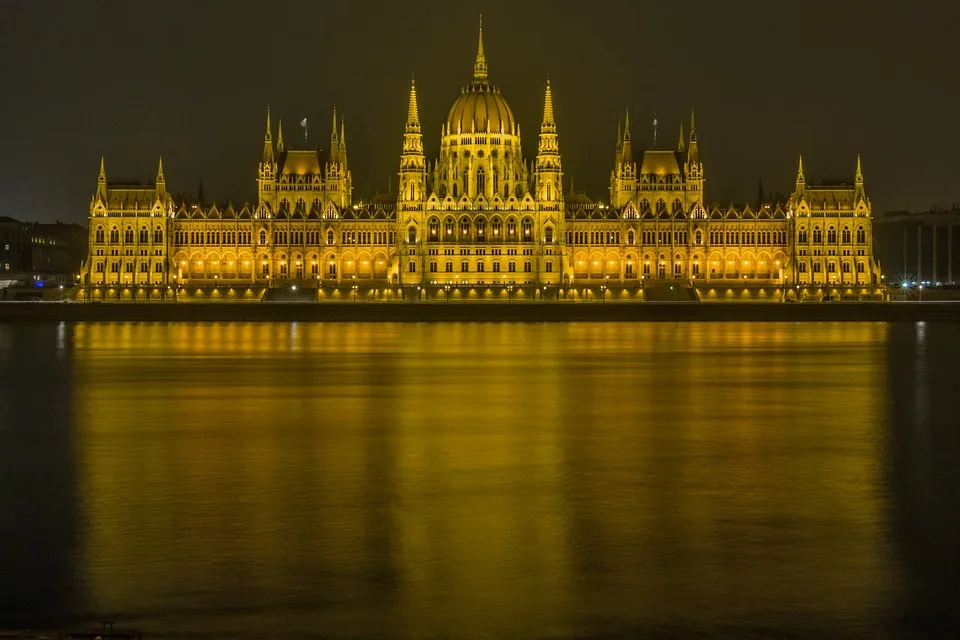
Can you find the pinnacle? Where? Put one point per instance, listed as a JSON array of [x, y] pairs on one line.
[[548, 119], [480, 66], [413, 112]]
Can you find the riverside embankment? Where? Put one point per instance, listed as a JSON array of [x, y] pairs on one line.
[[485, 312]]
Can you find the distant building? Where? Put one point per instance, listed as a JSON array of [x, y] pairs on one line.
[[917, 247], [39, 252], [480, 219]]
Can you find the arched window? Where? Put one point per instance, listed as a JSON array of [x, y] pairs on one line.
[[411, 234], [548, 235], [263, 237], [802, 267], [128, 234], [114, 267], [434, 228], [698, 237], [144, 235], [511, 227], [413, 191], [433, 266], [448, 227], [99, 234], [861, 267], [144, 267], [497, 227], [99, 267], [527, 228], [158, 234], [802, 236], [861, 235], [831, 235], [464, 266], [158, 267], [846, 267], [128, 266], [481, 182], [817, 267], [817, 235], [527, 266], [448, 267], [512, 266], [464, 226], [630, 237], [846, 235], [831, 267], [549, 196], [114, 235], [466, 182], [550, 266], [480, 266], [481, 225], [496, 266]]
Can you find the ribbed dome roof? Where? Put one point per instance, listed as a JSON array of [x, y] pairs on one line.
[[480, 107]]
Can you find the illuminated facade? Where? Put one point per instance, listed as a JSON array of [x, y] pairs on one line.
[[480, 220]]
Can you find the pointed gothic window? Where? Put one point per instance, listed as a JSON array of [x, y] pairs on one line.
[[114, 235], [549, 195], [99, 234], [846, 235], [481, 182], [861, 235]]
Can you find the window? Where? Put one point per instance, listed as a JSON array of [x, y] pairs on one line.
[[846, 235], [861, 235], [283, 268], [527, 228], [464, 266], [481, 182], [697, 237], [99, 267], [412, 267], [512, 266], [817, 235], [158, 267], [497, 226], [831, 235], [802, 236], [527, 267], [548, 235], [846, 267], [128, 267], [448, 267], [496, 266], [464, 227], [144, 235], [817, 267], [114, 235], [331, 267], [263, 237], [481, 227], [144, 267], [481, 267], [630, 237], [99, 235], [128, 234], [677, 268], [550, 266], [861, 267], [511, 227], [802, 267], [114, 267], [433, 266]]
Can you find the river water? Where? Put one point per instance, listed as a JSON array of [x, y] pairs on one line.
[[482, 480]]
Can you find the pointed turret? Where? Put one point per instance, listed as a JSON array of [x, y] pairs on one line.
[[627, 144], [800, 176], [334, 141], [279, 135], [343, 143], [480, 66], [268, 141], [693, 146], [549, 179], [681, 144], [549, 124], [618, 154], [161, 182], [858, 181], [413, 111], [102, 181]]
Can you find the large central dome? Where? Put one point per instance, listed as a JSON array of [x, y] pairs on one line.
[[480, 107]]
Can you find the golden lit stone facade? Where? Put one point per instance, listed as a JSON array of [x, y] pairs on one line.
[[481, 223]]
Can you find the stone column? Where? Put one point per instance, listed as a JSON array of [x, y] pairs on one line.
[[949, 254], [933, 278], [919, 253]]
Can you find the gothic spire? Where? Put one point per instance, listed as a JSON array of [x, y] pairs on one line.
[[548, 121], [333, 134], [279, 134], [626, 127], [627, 145], [413, 112], [682, 144], [859, 177], [800, 178], [102, 176], [480, 66], [268, 141], [160, 177], [693, 126], [268, 135], [343, 132]]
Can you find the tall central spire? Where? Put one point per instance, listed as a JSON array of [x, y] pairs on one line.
[[480, 66], [413, 113]]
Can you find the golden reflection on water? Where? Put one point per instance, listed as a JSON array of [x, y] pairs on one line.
[[505, 479]]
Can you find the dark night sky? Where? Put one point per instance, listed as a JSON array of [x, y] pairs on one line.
[[191, 79]]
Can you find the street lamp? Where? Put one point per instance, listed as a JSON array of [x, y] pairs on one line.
[[355, 287], [509, 294], [921, 292], [603, 293]]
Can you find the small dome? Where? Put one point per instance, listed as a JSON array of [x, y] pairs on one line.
[[480, 108]]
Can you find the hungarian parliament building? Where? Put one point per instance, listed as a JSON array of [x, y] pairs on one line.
[[479, 221]]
